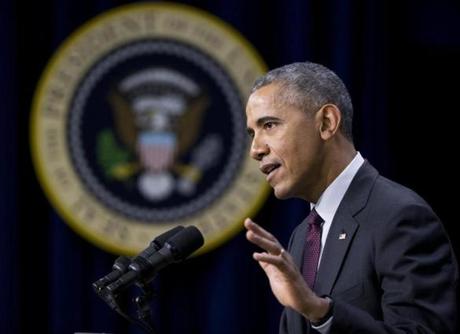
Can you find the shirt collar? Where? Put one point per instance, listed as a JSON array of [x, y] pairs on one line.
[[330, 199]]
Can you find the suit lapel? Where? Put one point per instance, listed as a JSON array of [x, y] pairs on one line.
[[338, 241], [343, 228]]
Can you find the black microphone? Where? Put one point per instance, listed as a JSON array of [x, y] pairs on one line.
[[121, 263], [157, 243], [120, 266], [176, 249]]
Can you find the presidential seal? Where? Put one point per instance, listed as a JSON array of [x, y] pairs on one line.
[[138, 126]]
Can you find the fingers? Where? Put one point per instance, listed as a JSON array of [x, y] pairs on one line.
[[260, 237], [271, 247], [271, 258], [251, 226]]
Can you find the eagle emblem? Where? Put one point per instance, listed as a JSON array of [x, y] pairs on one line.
[[158, 114]]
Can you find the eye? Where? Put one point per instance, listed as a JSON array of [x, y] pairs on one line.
[[269, 125]]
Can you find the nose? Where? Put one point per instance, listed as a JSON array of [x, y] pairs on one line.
[[259, 149]]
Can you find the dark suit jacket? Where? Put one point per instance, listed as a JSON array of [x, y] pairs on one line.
[[395, 271]]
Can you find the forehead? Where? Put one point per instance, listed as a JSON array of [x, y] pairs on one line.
[[266, 102], [265, 94], [264, 97]]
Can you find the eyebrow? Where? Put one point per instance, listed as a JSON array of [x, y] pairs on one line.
[[265, 119], [261, 121]]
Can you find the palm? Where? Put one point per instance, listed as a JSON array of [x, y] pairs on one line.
[[286, 281]]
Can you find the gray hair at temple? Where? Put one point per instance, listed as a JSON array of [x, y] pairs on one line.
[[310, 86]]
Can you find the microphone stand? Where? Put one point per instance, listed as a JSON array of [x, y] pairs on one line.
[[175, 248], [142, 303]]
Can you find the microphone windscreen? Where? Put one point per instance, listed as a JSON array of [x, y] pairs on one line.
[[186, 242], [160, 240]]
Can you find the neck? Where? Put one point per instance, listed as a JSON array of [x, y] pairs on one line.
[[339, 155]]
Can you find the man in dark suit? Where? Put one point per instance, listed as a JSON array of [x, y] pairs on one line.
[[372, 256]]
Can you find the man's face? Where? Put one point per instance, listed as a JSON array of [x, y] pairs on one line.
[[285, 141]]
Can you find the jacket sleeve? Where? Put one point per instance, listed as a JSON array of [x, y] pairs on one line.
[[284, 326], [283, 323]]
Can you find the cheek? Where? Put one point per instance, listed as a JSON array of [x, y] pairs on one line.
[[279, 148], [292, 148], [286, 153], [300, 156]]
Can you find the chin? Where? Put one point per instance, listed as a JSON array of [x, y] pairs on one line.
[[281, 193], [284, 190]]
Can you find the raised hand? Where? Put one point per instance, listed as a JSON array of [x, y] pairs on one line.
[[286, 281]]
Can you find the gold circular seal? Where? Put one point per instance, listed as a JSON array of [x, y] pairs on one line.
[[138, 126]]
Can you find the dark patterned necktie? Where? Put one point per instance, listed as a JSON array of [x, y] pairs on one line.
[[312, 248]]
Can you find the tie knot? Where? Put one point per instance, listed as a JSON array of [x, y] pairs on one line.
[[314, 218]]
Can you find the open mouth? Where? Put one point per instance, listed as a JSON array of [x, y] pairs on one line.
[[268, 169]]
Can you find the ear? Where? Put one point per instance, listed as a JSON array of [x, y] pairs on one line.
[[330, 118]]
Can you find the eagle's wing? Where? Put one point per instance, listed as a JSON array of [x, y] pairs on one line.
[[124, 117], [190, 123]]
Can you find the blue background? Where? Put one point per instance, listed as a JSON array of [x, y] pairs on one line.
[[400, 60]]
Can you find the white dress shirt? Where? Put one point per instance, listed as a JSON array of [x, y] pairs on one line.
[[327, 206]]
